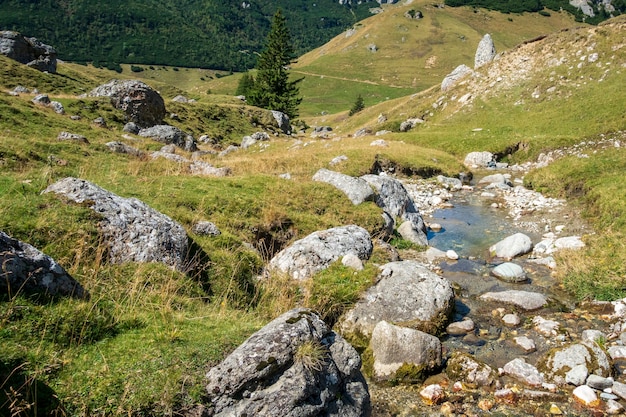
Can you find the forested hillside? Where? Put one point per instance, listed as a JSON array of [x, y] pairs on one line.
[[190, 33]]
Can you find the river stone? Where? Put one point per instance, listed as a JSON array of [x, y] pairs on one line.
[[407, 294], [133, 231], [510, 272], [527, 344], [356, 189], [478, 159], [23, 268], [511, 319], [512, 246], [141, 104], [547, 328], [586, 395], [485, 52], [523, 299], [455, 76], [170, 135], [569, 243], [524, 372], [619, 389], [393, 198], [453, 184], [559, 362], [294, 366], [318, 250], [464, 367], [408, 232], [494, 179], [599, 383], [394, 346], [462, 327]]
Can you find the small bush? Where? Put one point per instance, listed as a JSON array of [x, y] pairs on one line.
[[135, 68]]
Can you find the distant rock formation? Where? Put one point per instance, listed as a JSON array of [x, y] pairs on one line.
[[28, 51], [23, 268], [142, 104], [485, 52]]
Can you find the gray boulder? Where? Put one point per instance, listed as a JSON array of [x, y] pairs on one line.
[[407, 294], [485, 52], [57, 107], [28, 51], [453, 184], [524, 372], [478, 159], [74, 137], [170, 135], [207, 170], [523, 299], [120, 147], [394, 347], [294, 366], [141, 104], [318, 250], [408, 232], [131, 127], [283, 121], [356, 189], [575, 362], [133, 231], [464, 367], [455, 76], [205, 228], [512, 246], [23, 268], [41, 99]]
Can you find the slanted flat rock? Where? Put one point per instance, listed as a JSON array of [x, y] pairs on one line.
[[394, 346], [356, 189], [523, 299], [455, 76], [294, 366], [23, 268], [512, 246], [318, 250], [133, 231], [407, 294]]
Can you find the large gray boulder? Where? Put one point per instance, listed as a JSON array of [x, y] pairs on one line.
[[282, 120], [25, 269], [479, 159], [170, 135], [394, 347], [141, 104], [318, 250], [356, 189], [485, 53], [28, 51], [455, 76], [294, 366], [133, 231], [394, 199], [407, 294]]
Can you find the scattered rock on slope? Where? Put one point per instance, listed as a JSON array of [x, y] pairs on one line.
[[142, 104], [318, 250], [23, 268], [28, 51], [134, 232], [485, 53], [455, 76], [356, 189], [294, 366], [170, 135]]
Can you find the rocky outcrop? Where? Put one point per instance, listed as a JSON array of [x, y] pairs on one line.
[[407, 294], [318, 250], [356, 189], [141, 104], [28, 51], [24, 269], [394, 347], [294, 366], [485, 53], [455, 76], [133, 231], [283, 121], [170, 135]]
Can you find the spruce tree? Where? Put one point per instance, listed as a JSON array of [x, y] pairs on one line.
[[272, 88], [358, 105], [246, 85]]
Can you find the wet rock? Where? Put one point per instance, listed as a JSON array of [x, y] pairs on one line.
[[205, 228], [317, 251], [394, 347], [510, 272], [464, 367], [511, 319], [585, 395], [433, 394], [24, 269], [295, 365], [527, 344], [559, 362], [356, 189], [461, 327], [547, 328], [133, 231], [524, 372], [170, 135], [453, 184], [407, 294], [141, 104], [408, 232], [523, 299], [512, 246]]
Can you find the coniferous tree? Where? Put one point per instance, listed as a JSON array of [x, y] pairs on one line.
[[272, 88], [246, 85], [358, 105]]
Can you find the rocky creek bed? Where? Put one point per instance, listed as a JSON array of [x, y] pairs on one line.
[[515, 359]]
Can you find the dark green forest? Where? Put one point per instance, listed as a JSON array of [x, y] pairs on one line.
[[214, 34], [540, 6]]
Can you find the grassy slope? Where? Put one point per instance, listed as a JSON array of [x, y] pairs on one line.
[[101, 356]]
